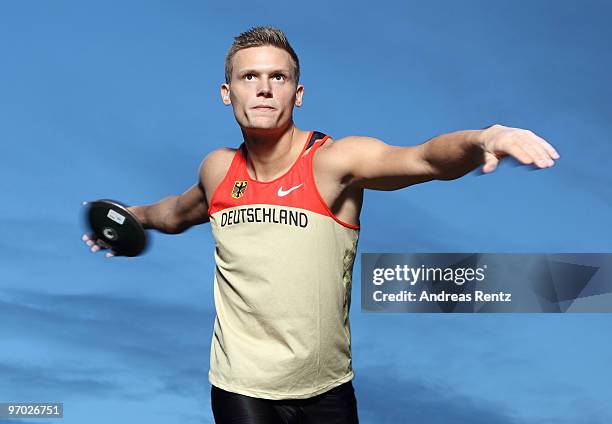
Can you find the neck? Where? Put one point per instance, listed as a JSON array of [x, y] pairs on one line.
[[271, 152]]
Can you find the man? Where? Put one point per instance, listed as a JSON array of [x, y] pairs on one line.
[[284, 209]]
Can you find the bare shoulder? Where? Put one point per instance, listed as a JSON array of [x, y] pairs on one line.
[[344, 148], [336, 157], [217, 161], [213, 168]]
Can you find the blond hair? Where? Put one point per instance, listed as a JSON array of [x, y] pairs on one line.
[[257, 37]]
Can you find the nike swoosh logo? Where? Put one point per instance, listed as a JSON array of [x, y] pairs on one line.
[[282, 192]]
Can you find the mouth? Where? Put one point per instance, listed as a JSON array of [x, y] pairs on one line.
[[263, 107]]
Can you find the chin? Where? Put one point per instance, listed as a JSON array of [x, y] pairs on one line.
[[263, 124]]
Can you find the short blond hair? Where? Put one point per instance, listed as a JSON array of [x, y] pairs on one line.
[[257, 37]]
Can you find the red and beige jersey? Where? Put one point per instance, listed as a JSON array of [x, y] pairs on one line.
[[282, 284]]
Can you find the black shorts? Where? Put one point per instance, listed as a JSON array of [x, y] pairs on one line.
[[336, 406]]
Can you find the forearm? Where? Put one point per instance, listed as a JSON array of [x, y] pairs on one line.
[[158, 216], [454, 154]]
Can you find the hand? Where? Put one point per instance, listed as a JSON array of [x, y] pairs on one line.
[[96, 244], [498, 141]]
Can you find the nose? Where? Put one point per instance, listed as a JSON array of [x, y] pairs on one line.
[[264, 89]]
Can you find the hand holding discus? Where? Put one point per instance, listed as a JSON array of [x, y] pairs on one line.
[[115, 227]]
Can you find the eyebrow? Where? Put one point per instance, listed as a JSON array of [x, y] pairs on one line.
[[253, 71]]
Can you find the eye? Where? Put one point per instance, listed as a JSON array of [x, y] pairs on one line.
[[279, 77], [249, 77]]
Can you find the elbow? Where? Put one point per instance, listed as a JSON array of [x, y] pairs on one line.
[[172, 223], [173, 226]]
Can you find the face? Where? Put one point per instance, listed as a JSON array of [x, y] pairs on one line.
[[262, 90]]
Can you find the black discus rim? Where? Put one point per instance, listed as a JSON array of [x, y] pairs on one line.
[[140, 244]]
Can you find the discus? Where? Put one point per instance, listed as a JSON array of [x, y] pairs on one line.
[[116, 227]]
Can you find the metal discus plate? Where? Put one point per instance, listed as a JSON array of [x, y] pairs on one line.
[[116, 226]]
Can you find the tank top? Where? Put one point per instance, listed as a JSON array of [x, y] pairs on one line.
[[282, 283]]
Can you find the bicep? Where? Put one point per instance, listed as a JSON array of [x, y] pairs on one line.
[[192, 207], [376, 165]]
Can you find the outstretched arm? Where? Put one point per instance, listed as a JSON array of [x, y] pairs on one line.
[[369, 163], [171, 215], [175, 214]]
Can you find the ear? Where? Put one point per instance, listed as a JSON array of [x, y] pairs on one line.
[[299, 93], [225, 94]]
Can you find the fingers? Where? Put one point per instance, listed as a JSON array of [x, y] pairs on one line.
[[538, 154], [491, 162], [540, 150], [96, 245], [89, 239], [518, 152], [524, 146], [548, 148]]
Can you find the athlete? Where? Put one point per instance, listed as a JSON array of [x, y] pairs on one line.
[[284, 212]]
